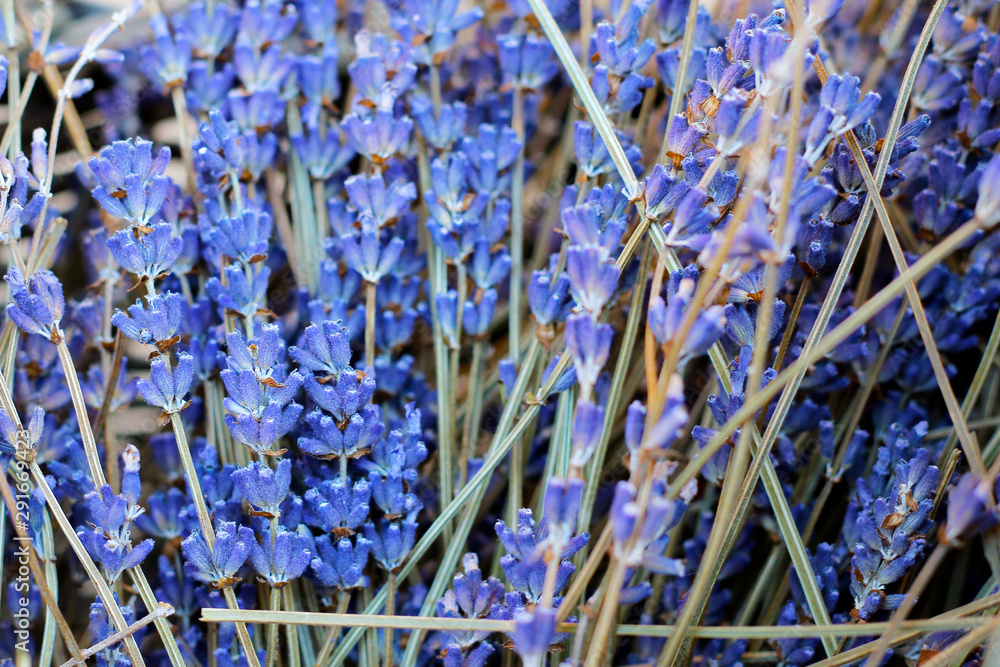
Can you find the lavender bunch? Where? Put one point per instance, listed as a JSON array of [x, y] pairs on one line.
[[523, 331]]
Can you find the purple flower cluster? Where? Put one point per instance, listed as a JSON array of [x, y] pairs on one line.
[[595, 299]]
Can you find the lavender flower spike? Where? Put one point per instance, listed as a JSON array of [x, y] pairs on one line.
[[988, 204], [155, 323], [283, 558], [841, 110], [131, 181], [219, 565], [264, 488], [167, 386], [533, 633], [971, 509], [148, 254], [37, 304]]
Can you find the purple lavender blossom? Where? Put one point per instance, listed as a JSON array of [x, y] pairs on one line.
[[220, 564], [131, 181], [37, 303], [167, 385]]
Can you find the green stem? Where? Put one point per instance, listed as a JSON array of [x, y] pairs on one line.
[[560, 444], [596, 654], [471, 493], [272, 628], [82, 418], [390, 610], [103, 590], [161, 610], [343, 600], [276, 196], [187, 155], [208, 532], [793, 318], [370, 655], [370, 317], [854, 244], [162, 625], [581, 84], [439, 285], [241, 629], [961, 618], [516, 230], [456, 353], [310, 250], [473, 410], [48, 594], [970, 446], [435, 89], [292, 634], [677, 647], [322, 214], [797, 369], [978, 381], [52, 579], [11, 136], [190, 472], [17, 102]]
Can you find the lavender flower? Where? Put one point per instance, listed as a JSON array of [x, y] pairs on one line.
[[101, 628], [155, 323], [470, 597], [590, 345], [378, 137], [842, 110], [971, 509], [209, 32], [37, 303], [634, 533], [218, 566], [377, 201], [108, 541], [527, 61], [344, 397], [391, 541], [148, 255], [891, 534], [284, 558], [299, 229], [533, 632], [265, 489], [11, 437], [322, 151], [666, 318], [167, 63], [371, 256], [325, 349], [341, 565], [240, 295], [663, 192], [370, 72], [988, 204], [432, 23], [243, 238], [131, 181], [168, 385], [524, 565]]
